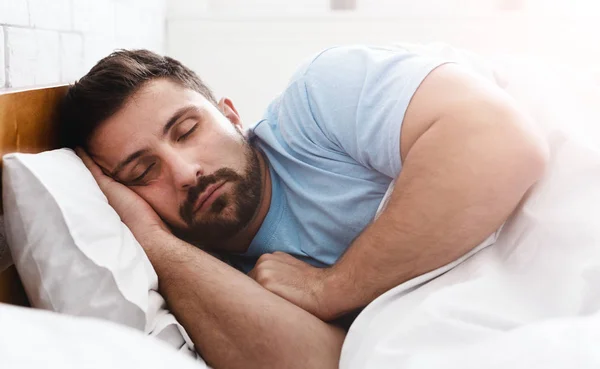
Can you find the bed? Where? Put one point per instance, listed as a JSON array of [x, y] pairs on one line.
[[530, 301], [27, 124]]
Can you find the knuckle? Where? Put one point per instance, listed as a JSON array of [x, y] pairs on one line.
[[264, 277], [263, 258]]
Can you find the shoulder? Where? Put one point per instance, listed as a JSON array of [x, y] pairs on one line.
[[349, 61]]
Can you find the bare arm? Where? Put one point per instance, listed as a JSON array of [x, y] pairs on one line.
[[232, 320], [469, 155]]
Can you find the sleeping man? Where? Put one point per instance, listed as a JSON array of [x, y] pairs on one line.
[[289, 204]]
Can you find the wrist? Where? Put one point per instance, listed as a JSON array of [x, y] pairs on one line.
[[338, 295], [150, 237], [147, 231]]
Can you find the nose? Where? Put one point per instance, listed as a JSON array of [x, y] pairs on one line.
[[184, 170]]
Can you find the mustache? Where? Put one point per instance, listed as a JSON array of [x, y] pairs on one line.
[[223, 174]]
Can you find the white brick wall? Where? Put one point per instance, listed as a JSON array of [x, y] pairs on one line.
[[71, 52], [32, 57], [14, 12], [56, 41], [94, 16], [54, 14]]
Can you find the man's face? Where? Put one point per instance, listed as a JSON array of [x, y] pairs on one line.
[[187, 158]]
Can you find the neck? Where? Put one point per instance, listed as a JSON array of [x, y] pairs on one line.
[[241, 241]]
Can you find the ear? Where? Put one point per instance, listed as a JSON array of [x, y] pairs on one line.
[[228, 109]]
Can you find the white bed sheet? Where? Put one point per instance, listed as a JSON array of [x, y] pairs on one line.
[[33, 339], [531, 299]]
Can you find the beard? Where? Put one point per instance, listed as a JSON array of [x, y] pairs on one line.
[[231, 211]]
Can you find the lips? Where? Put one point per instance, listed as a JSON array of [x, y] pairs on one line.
[[206, 194]]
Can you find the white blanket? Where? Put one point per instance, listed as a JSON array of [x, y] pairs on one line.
[[531, 299], [36, 339]]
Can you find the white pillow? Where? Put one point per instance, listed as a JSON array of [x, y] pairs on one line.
[[34, 338], [73, 253]]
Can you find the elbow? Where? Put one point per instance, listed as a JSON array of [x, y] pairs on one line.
[[533, 154], [536, 157], [523, 151], [522, 141]]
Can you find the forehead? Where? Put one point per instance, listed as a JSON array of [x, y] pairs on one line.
[[141, 119]]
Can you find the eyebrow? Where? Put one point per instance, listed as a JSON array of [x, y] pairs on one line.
[[170, 123], [128, 160], [178, 114]]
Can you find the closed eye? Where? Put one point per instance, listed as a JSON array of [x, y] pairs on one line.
[[141, 176], [187, 134]]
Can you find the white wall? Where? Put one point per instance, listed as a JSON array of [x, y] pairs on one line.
[[249, 56], [52, 41]]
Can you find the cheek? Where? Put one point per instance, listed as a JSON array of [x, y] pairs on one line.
[[163, 201], [232, 151]]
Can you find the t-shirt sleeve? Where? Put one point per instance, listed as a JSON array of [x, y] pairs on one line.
[[358, 97]]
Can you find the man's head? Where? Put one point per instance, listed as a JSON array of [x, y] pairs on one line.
[[150, 123]]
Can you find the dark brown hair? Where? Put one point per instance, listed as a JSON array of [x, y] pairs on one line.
[[108, 85]]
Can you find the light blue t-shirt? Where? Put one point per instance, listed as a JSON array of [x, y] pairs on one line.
[[332, 139]]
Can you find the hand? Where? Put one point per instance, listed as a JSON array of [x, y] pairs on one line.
[[136, 213], [296, 281]]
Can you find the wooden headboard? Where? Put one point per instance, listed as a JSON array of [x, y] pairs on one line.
[[28, 123]]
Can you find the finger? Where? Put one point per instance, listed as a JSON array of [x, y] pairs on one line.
[[82, 154], [264, 272], [286, 258], [252, 273], [263, 258], [261, 276], [91, 165]]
